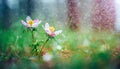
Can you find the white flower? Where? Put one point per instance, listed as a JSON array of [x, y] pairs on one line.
[[51, 30], [47, 57], [31, 23]]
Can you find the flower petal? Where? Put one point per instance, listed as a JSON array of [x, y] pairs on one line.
[[58, 32], [48, 32], [28, 18], [24, 23], [52, 34], [46, 26], [36, 23]]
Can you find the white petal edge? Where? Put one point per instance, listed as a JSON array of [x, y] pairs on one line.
[[28, 18], [46, 30], [58, 32], [36, 23], [46, 26], [24, 23]]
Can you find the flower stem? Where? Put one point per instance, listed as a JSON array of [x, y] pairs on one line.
[[44, 45], [33, 40], [33, 36]]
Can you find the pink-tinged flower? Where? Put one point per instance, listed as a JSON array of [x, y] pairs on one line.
[[31, 23], [50, 30]]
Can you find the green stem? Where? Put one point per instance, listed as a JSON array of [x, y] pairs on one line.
[[33, 36], [44, 45], [33, 40]]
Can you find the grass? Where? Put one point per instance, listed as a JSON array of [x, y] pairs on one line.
[[80, 50]]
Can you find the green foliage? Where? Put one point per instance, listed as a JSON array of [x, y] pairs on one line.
[[92, 50]]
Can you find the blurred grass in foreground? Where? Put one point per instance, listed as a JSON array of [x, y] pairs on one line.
[[80, 50]]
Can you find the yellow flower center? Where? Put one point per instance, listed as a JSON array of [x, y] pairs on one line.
[[52, 29], [30, 22]]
